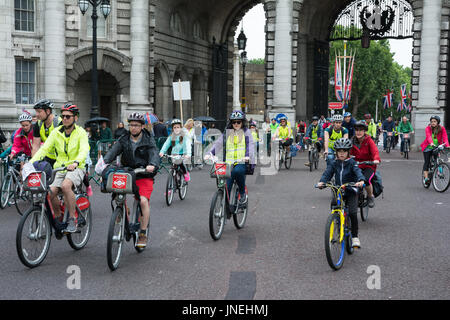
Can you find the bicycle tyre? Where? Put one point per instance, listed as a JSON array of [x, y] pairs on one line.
[[182, 191], [136, 218], [364, 209], [117, 220], [5, 191], [79, 240], [35, 213], [169, 188], [316, 159], [217, 215], [442, 171], [348, 236], [288, 162], [311, 160], [240, 216], [22, 199], [388, 145], [332, 243]]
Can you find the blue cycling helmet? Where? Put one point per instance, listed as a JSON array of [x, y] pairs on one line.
[[347, 114]]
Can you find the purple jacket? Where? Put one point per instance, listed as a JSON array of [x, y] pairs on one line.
[[249, 144]]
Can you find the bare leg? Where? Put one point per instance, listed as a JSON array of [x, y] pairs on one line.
[[55, 201], [69, 197], [145, 207]]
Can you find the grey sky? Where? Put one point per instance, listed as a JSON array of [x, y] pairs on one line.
[[254, 22]]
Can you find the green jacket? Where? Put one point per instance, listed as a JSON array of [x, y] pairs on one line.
[[405, 128], [68, 149], [372, 129]]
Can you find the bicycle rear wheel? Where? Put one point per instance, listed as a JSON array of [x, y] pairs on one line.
[[388, 145], [363, 207], [316, 159], [136, 218], [79, 239], [217, 215], [115, 238], [334, 248], [6, 190], [441, 177], [288, 161], [23, 200], [33, 237], [170, 188], [311, 160]]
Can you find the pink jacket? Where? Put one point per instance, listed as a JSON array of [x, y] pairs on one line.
[[442, 138], [22, 142]]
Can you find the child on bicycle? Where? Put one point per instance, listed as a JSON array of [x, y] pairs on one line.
[[180, 144], [345, 170]]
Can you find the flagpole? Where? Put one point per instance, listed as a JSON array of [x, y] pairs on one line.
[[376, 111], [344, 83]]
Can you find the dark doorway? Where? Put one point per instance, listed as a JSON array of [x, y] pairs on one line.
[[105, 107], [321, 65], [218, 107]]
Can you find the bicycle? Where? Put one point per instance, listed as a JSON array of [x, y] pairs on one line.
[[175, 179], [389, 140], [406, 145], [338, 237], [225, 203], [282, 156], [313, 154], [363, 197], [12, 191], [122, 226], [34, 231], [440, 177]]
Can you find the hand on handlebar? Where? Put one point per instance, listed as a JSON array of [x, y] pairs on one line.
[[376, 161], [150, 169], [359, 184]]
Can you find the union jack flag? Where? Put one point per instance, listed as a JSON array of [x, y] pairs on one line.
[[388, 99], [403, 102], [348, 86], [338, 81]]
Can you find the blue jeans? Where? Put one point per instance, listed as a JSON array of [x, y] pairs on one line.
[[330, 156], [238, 174]]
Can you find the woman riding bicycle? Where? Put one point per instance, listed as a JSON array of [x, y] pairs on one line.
[[435, 135], [346, 170], [364, 149], [237, 146], [180, 144]]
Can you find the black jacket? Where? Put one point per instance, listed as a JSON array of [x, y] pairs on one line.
[[146, 153], [343, 171], [119, 132], [160, 130]]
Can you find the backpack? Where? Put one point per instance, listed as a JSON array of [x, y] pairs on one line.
[[377, 184]]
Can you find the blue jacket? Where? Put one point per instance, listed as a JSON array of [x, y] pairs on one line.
[[319, 131], [350, 127], [388, 126], [343, 171]]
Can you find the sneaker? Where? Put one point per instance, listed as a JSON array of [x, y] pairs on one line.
[[243, 200], [71, 226], [187, 177], [356, 243], [307, 164], [142, 240], [401, 153], [371, 202]]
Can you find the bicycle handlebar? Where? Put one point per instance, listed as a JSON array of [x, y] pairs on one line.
[[330, 185]]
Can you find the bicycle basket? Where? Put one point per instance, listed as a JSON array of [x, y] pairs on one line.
[[119, 182], [36, 182], [221, 170]]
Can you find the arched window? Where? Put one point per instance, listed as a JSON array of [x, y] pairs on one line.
[[175, 22]]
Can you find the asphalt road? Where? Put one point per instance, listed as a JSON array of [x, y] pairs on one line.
[[279, 254]]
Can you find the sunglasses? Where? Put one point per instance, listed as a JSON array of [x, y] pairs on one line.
[[67, 116], [236, 122]]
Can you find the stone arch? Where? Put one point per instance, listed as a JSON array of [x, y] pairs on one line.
[[162, 90]]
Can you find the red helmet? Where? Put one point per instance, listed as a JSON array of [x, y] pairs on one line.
[[71, 107], [367, 116]]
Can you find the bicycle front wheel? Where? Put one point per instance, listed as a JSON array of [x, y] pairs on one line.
[[6, 190], [23, 200], [311, 160], [115, 238], [316, 159], [334, 248], [217, 215], [182, 191], [170, 188], [441, 177], [79, 239], [33, 237], [240, 216]]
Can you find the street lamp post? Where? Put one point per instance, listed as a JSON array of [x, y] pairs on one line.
[[242, 43], [105, 8]]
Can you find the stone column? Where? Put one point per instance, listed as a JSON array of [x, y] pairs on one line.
[[55, 52], [139, 51], [282, 80], [7, 64], [428, 87], [236, 77]]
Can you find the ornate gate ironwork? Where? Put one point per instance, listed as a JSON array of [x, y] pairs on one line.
[[381, 19], [219, 84]]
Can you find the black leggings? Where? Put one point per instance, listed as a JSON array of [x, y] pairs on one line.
[[351, 199], [427, 157]]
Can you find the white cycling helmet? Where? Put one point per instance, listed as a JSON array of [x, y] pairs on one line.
[[337, 117], [25, 117]]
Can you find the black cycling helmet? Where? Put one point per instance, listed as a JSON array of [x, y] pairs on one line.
[[136, 116], [437, 118], [315, 118], [43, 104], [360, 123], [343, 144]]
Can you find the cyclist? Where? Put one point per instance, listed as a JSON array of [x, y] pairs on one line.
[[284, 132], [404, 127], [47, 121], [70, 142], [346, 170], [365, 149], [138, 149], [255, 134], [23, 138], [388, 126], [435, 136], [237, 144], [315, 133], [332, 134], [349, 123], [371, 126], [180, 144]]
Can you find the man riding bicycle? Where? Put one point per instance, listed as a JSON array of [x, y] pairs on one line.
[[47, 121], [284, 132], [314, 133], [70, 142], [404, 127], [332, 134], [364, 149], [138, 149]]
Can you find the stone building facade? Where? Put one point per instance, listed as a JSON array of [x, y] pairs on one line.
[[144, 46]]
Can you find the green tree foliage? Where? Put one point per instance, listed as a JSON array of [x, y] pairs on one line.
[[257, 61], [374, 73]]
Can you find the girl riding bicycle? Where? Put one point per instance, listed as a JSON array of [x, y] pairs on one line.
[[346, 170], [435, 135], [180, 144]]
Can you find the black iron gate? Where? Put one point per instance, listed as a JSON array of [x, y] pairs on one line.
[[219, 84], [321, 77]]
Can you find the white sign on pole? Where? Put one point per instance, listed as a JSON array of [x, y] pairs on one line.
[[181, 90]]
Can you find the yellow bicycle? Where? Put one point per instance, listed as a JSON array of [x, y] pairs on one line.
[[338, 237]]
